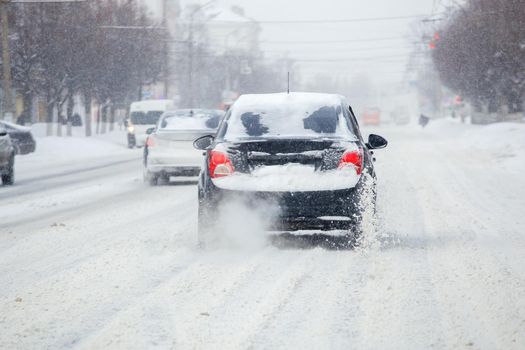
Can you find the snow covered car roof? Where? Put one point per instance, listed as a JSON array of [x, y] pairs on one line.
[[190, 119], [288, 98], [283, 115], [152, 105], [12, 126]]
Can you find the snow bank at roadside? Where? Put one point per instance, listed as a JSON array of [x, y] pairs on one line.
[[57, 151], [503, 143], [70, 148]]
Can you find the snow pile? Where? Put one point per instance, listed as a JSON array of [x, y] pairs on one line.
[[71, 148], [58, 154], [504, 142], [289, 178], [499, 144]]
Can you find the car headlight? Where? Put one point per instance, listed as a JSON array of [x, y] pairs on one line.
[[131, 129]]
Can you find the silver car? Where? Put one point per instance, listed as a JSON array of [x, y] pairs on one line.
[[7, 158], [169, 147]]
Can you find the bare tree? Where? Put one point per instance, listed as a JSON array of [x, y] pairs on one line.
[[481, 53], [102, 50]]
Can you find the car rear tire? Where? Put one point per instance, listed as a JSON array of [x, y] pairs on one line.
[[153, 181], [132, 142], [150, 178], [9, 178]]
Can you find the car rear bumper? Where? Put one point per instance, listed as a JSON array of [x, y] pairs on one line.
[[173, 170], [306, 223], [291, 211]]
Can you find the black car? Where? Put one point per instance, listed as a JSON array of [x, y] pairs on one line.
[[301, 153], [21, 137], [7, 158]]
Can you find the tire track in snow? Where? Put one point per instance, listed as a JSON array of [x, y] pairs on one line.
[[32, 186], [398, 301], [321, 312], [480, 310], [251, 305], [176, 313], [84, 285], [52, 198], [82, 240]]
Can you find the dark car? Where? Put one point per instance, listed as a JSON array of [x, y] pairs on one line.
[[21, 137], [7, 158], [301, 153]]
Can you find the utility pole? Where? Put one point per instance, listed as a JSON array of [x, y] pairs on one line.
[[190, 62], [166, 45], [6, 63], [190, 42]]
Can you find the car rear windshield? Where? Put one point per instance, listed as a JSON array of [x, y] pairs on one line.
[[145, 118], [287, 121], [190, 119]]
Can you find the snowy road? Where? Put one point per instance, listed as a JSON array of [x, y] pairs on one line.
[[92, 258]]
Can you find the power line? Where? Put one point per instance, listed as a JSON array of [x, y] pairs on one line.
[[315, 50], [290, 51], [371, 59], [317, 41], [342, 60], [333, 41], [374, 59], [349, 20]]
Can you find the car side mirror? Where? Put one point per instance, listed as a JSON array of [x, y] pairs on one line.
[[376, 142], [150, 131], [203, 142]]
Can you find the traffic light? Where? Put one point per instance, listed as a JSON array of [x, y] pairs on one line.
[[434, 40]]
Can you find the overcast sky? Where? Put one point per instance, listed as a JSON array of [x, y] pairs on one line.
[[383, 59]]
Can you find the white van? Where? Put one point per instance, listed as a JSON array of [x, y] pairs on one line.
[[142, 116]]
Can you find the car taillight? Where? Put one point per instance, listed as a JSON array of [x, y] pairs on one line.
[[354, 159], [219, 164], [150, 142]]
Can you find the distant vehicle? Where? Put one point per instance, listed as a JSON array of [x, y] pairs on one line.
[[301, 152], [371, 116], [169, 148], [144, 115], [400, 115], [7, 158], [21, 137]]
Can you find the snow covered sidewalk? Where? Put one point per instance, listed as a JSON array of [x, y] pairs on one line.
[[61, 154]]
